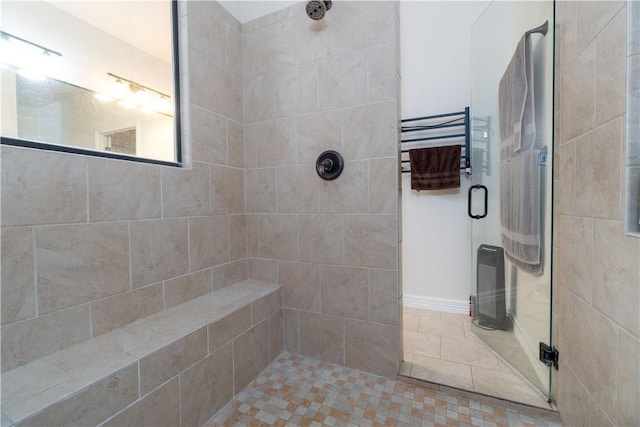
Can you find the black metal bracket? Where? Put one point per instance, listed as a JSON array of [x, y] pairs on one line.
[[549, 355], [486, 199]]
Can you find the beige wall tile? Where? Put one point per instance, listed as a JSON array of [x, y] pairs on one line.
[[279, 237], [342, 81], [382, 73], [321, 238], [596, 370], [297, 90], [169, 361], [265, 306], [208, 241], [259, 99], [228, 274], [371, 347], [298, 188], [160, 408], [316, 133], [233, 42], [349, 193], [225, 92], [578, 95], [250, 354], [592, 18], [616, 272], [269, 48], [238, 237], [122, 309], [250, 146], [275, 335], [358, 19], [598, 165], [184, 288], [31, 339], [301, 285], [276, 142], [628, 380], [18, 293], [345, 291], [121, 190], [235, 142], [94, 404], [575, 242], [80, 263], [40, 187], [566, 33], [159, 250], [206, 387], [208, 136], [579, 408], [227, 190], [261, 190], [185, 192], [383, 185], [229, 327], [290, 330], [315, 40], [262, 269], [370, 241], [370, 131], [198, 78], [611, 67], [253, 235], [563, 304], [206, 29], [383, 296], [567, 170], [322, 337]]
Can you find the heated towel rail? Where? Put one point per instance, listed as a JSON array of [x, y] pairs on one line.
[[449, 127]]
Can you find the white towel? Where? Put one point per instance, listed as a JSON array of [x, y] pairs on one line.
[[520, 178]]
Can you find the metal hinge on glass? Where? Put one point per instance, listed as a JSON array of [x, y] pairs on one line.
[[549, 355]]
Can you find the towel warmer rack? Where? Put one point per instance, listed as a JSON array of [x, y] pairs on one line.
[[428, 129]]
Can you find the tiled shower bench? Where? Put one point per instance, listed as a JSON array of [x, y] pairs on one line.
[[174, 368]]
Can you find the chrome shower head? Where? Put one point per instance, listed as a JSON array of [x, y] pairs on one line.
[[316, 9]]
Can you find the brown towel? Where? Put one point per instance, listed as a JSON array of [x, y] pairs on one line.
[[436, 168]]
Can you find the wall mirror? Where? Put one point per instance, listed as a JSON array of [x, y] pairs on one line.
[[98, 78]]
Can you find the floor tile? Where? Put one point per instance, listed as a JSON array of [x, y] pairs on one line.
[[442, 372], [299, 391]]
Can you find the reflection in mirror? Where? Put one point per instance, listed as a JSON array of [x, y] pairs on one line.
[[90, 77]]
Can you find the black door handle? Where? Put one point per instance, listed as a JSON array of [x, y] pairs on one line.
[[486, 198]]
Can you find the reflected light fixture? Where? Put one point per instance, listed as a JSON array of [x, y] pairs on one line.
[[30, 59], [130, 93]]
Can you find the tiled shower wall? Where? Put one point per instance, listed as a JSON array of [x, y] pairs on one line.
[[91, 244], [597, 278], [311, 86]]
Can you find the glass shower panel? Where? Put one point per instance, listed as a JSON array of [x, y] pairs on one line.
[[512, 306]]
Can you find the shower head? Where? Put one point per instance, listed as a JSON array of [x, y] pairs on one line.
[[317, 8]]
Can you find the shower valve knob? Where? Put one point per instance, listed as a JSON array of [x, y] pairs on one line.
[[329, 165]]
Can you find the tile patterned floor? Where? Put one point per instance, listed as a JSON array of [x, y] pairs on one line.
[[299, 391], [440, 348]]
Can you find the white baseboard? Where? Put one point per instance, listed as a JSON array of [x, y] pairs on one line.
[[437, 304]]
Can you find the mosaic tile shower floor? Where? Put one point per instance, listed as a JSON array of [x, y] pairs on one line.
[[300, 391]]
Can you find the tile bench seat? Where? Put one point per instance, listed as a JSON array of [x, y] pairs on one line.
[[176, 367]]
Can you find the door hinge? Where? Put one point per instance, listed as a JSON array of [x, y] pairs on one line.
[[549, 355]]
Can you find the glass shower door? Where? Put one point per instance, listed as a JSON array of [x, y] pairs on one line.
[[511, 292]]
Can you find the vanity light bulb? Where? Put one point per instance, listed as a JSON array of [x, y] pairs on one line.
[[120, 89], [141, 98], [162, 105], [103, 97], [126, 104]]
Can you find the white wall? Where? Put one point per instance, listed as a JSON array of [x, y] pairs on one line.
[[435, 46]]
